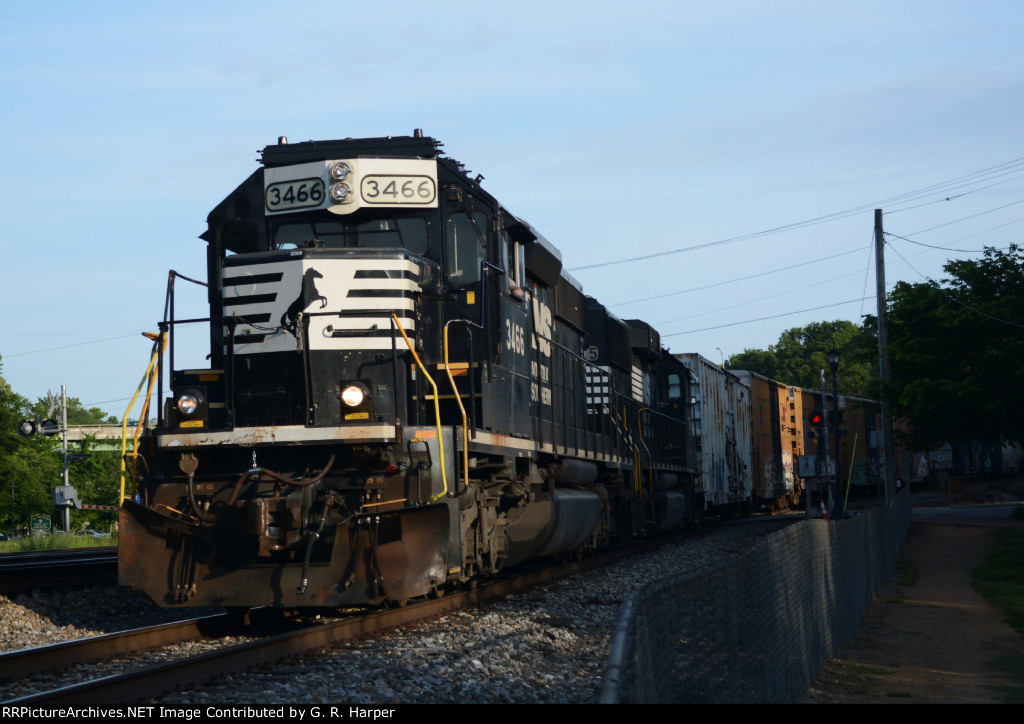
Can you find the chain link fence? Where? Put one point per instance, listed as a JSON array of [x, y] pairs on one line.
[[756, 630]]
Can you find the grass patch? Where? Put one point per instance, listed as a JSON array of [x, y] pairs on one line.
[[872, 670], [1011, 667], [858, 679], [1000, 579], [906, 578], [909, 575], [57, 541]]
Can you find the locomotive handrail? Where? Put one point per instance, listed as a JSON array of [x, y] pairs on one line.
[[650, 456], [437, 408], [485, 267], [159, 345], [167, 329], [169, 317], [605, 412], [458, 397], [576, 359]]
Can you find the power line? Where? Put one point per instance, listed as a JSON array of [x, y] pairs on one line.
[[977, 176], [780, 269], [791, 290], [932, 246], [1013, 177], [733, 281], [69, 346], [762, 319], [972, 216], [953, 184]]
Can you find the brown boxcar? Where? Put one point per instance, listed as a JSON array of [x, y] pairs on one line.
[[777, 441]]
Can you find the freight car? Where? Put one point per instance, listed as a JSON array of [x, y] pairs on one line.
[[406, 390], [777, 420], [859, 461]]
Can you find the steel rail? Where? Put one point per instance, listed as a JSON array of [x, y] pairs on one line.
[[154, 681], [26, 571], [58, 559], [24, 662]]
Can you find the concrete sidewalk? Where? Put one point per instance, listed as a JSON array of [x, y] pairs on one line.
[[928, 637]]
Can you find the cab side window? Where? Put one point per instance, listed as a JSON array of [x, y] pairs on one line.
[[513, 257], [466, 246], [675, 387]]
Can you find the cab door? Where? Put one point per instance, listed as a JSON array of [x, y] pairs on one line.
[[472, 281]]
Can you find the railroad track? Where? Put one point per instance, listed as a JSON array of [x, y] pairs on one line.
[[25, 571], [148, 681]]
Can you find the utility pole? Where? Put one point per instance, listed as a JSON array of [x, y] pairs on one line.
[[837, 502], [889, 461], [64, 449], [823, 451]]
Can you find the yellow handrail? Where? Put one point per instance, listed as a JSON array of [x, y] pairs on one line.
[[650, 455], [462, 408], [638, 468], [437, 408], [159, 345]]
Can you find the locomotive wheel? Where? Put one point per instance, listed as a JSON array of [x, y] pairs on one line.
[[437, 592]]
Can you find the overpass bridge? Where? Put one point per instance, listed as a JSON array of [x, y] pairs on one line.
[[105, 437]]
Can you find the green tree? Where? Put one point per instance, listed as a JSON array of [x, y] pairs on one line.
[[98, 481], [802, 351], [762, 361], [12, 411], [30, 468], [956, 348], [30, 475]]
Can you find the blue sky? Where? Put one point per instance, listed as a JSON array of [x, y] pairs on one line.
[[617, 130]]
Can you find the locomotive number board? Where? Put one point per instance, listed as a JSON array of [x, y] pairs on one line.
[[298, 194], [397, 189]]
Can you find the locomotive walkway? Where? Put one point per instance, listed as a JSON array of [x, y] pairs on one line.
[[929, 636]]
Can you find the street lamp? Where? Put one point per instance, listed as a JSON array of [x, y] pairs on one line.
[[833, 362]]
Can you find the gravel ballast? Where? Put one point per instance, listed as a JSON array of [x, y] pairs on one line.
[[546, 645]]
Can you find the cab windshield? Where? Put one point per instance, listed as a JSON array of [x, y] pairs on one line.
[[380, 232]]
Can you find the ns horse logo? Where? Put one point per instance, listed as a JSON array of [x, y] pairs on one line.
[[307, 295]]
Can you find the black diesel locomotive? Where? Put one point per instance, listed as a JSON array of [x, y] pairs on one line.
[[405, 391]]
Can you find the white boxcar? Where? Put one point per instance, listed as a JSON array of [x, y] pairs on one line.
[[723, 430]]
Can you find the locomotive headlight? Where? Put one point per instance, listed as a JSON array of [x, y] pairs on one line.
[[340, 192], [340, 171], [188, 404], [354, 395]]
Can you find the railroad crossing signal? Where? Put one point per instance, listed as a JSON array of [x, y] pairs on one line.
[[28, 428]]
